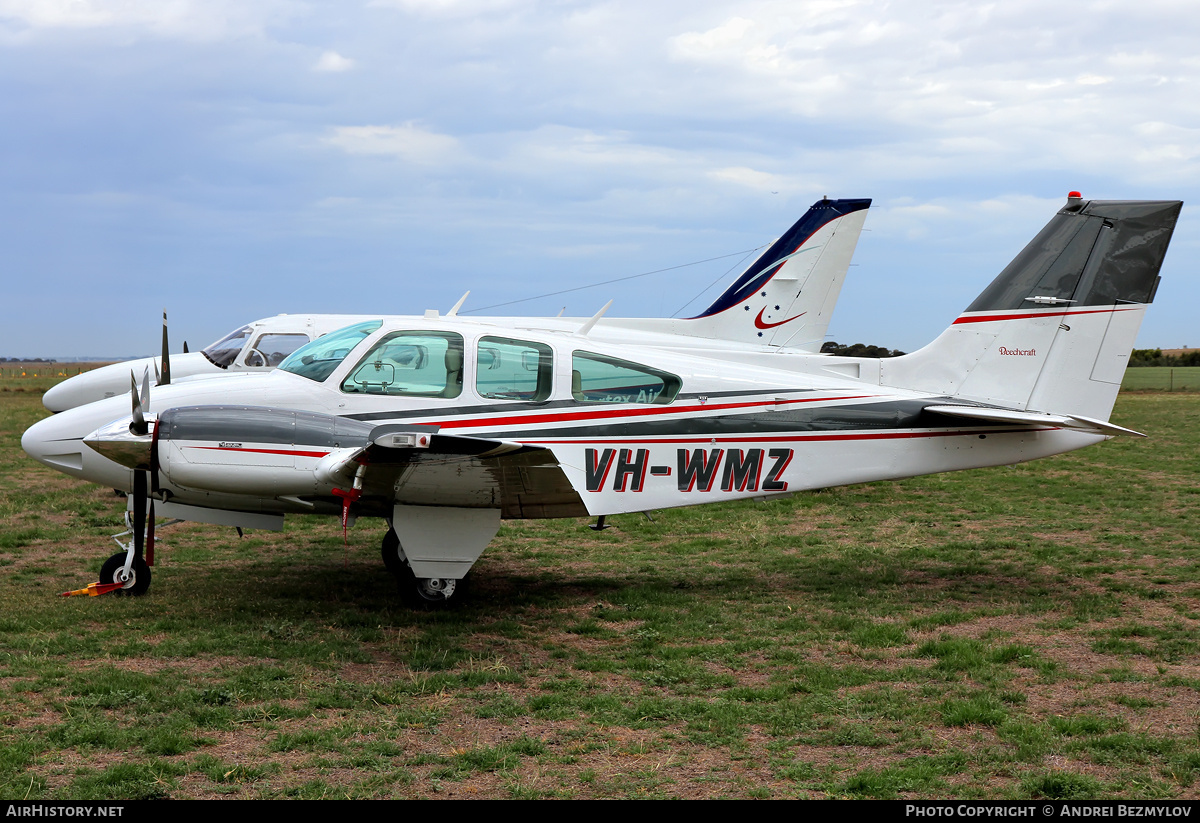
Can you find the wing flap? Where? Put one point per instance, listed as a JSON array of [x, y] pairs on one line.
[[462, 471]]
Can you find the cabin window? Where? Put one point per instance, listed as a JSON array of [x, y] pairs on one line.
[[597, 378], [272, 349], [413, 363], [318, 359], [514, 369], [223, 352]]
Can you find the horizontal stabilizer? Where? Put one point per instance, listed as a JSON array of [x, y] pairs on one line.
[[1062, 421]]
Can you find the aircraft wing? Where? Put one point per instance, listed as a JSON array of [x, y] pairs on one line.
[[423, 468], [1062, 421]]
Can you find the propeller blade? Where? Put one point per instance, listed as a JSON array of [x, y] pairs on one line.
[[154, 484], [139, 512], [146, 391], [166, 355], [150, 535], [185, 350], [139, 420]]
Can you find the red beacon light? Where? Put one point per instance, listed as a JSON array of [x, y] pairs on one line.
[[1074, 195]]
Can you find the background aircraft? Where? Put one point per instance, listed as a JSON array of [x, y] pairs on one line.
[[445, 425], [799, 287]]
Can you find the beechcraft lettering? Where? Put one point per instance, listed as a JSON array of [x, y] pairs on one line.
[[444, 426]]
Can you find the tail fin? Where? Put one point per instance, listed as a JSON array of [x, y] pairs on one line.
[[787, 296], [1054, 330]]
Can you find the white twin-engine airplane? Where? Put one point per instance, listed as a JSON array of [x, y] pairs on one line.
[[802, 295], [444, 426], [257, 347]]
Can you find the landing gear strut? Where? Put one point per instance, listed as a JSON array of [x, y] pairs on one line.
[[419, 591]]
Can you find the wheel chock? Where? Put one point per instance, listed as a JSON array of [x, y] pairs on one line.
[[94, 589]]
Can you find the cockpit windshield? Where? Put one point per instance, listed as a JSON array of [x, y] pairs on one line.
[[223, 352], [318, 359]]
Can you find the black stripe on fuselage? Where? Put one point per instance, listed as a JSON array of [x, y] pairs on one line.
[[886, 416], [265, 425]]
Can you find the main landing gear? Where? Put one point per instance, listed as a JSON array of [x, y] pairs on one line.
[[430, 592]]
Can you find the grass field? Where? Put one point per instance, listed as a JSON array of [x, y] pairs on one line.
[[1162, 378], [1024, 632]]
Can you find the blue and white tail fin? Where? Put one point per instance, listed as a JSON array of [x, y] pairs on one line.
[[787, 296], [1053, 332]]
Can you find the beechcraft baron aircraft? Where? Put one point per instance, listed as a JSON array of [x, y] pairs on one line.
[[256, 347], [820, 244], [443, 426]]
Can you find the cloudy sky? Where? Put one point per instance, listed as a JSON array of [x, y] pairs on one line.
[[232, 159]]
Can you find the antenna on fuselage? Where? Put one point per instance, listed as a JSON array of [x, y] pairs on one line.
[[587, 327], [454, 309]]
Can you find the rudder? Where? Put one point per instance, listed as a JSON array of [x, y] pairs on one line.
[[1054, 330], [787, 296]]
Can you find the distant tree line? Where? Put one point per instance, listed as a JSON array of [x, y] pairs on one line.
[[1155, 357], [859, 350], [26, 360]]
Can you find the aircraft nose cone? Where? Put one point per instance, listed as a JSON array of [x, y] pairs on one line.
[[60, 398], [47, 442], [84, 388]]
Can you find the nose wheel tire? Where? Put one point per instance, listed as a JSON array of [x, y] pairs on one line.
[[137, 581]]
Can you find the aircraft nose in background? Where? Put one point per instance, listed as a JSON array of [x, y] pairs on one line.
[[80, 389]]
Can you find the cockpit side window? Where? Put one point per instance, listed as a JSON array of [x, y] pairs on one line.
[[514, 369], [271, 349], [412, 363], [223, 352], [318, 359], [598, 378]]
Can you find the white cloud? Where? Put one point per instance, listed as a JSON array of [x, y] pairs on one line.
[[750, 178], [331, 61], [406, 142], [188, 19], [557, 145], [447, 7], [723, 39]]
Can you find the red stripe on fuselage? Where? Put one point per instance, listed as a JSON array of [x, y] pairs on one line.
[[292, 452], [987, 318]]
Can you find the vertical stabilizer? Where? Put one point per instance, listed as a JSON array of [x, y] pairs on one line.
[[787, 296], [1053, 332]]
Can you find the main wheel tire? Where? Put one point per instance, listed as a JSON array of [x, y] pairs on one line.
[[429, 593], [421, 592], [139, 574], [435, 591], [392, 557]]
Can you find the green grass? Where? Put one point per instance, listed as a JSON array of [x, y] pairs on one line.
[[1162, 378], [1022, 632]]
